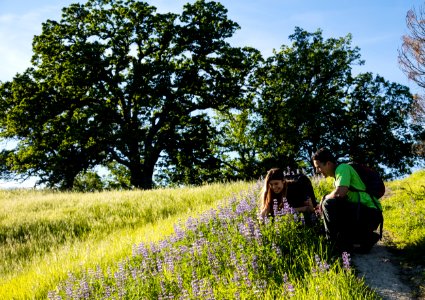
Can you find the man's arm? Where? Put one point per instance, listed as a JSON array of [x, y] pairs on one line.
[[339, 192]]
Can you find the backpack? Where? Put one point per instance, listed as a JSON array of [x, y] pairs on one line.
[[374, 187], [372, 180]]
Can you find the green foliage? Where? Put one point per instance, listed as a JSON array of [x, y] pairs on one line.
[[114, 81], [311, 73], [377, 129], [364, 119], [88, 182], [163, 99]]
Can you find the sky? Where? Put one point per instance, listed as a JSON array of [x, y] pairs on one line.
[[376, 26]]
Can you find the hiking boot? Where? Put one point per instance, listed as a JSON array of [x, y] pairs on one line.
[[367, 244]]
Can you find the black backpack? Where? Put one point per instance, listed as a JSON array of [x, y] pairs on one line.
[[374, 187], [373, 181]]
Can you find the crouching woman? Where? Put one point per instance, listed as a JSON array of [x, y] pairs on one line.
[[294, 190]]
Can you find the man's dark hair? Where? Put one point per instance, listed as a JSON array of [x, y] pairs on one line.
[[324, 155]]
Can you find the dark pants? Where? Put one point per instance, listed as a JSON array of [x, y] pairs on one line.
[[349, 223]]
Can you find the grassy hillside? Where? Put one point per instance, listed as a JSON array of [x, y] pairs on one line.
[[404, 225], [405, 213], [45, 235], [189, 242]]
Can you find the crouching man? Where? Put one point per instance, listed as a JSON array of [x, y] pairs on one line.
[[350, 215]]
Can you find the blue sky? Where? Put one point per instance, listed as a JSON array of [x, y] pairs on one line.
[[376, 27]]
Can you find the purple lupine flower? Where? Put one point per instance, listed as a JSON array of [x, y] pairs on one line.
[[154, 248], [277, 249], [108, 291], [233, 259], [195, 288], [242, 207], [206, 291], [254, 263], [179, 233], [52, 295], [346, 260], [159, 264], [182, 250], [84, 289], [243, 230], [288, 287], [191, 224], [232, 200], [99, 274], [169, 261], [275, 207], [199, 244], [121, 278], [225, 213], [287, 209], [180, 281], [141, 250], [163, 290], [163, 245], [133, 272], [257, 235], [236, 277], [185, 295], [209, 292], [212, 259], [322, 265], [243, 268]]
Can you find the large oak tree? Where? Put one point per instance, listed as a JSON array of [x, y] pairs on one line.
[[113, 82]]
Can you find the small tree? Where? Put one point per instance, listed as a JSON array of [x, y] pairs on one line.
[[412, 63]]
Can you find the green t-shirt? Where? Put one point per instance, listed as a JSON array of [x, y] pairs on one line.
[[345, 175]]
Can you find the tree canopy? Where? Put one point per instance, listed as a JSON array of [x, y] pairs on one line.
[[164, 98], [308, 98], [116, 81]]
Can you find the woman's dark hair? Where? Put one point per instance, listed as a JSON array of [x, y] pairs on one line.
[[274, 174], [324, 155], [266, 192]]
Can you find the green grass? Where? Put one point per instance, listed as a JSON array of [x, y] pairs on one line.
[[46, 236], [404, 212]]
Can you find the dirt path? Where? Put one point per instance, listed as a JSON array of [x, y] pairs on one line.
[[382, 273]]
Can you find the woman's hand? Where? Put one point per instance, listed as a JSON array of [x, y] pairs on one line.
[[308, 204], [318, 210]]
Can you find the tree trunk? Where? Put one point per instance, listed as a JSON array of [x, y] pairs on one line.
[[141, 174]]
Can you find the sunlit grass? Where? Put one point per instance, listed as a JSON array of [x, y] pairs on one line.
[[47, 238], [226, 253], [404, 213], [45, 235]]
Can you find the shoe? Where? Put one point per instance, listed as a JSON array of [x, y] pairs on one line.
[[367, 245]]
